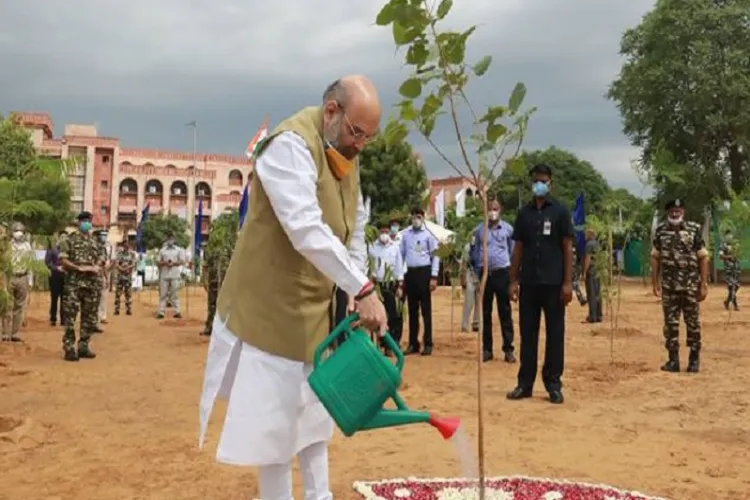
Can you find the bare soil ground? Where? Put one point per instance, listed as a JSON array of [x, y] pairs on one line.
[[124, 426]]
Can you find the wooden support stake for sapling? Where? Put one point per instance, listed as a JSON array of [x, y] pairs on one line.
[[439, 77]]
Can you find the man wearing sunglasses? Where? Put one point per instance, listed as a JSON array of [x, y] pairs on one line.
[[304, 237]]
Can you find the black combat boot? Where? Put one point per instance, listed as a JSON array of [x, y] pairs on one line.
[[71, 355], [694, 362], [85, 353], [673, 364]]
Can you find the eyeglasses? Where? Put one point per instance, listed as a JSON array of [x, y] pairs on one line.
[[357, 133]]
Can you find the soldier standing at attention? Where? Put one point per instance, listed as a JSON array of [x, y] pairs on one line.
[[591, 277], [577, 268], [80, 255], [418, 247], [124, 265], [216, 257], [21, 256], [679, 257], [732, 269], [171, 259]]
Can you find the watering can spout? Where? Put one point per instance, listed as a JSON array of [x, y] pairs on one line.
[[446, 426], [391, 418]]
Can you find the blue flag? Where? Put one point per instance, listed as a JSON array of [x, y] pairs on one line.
[[198, 238], [579, 226], [139, 246], [243, 206], [198, 229]]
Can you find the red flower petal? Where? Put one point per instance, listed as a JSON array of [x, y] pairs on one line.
[[522, 489]]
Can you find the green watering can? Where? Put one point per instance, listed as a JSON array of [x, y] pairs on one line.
[[356, 380]]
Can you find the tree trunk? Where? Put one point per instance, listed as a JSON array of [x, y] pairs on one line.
[[737, 160]]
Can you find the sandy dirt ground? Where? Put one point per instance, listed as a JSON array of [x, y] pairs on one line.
[[124, 426]]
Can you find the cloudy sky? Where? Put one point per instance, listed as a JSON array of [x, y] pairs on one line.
[[142, 69]]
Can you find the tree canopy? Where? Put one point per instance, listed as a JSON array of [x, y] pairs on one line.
[[393, 179], [157, 226], [685, 88], [33, 190]]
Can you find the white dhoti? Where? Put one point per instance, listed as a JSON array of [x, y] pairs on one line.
[[272, 415]]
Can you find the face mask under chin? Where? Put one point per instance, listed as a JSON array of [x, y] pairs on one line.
[[675, 220]]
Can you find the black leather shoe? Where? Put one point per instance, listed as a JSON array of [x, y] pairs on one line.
[[556, 397], [487, 356], [510, 357], [427, 351], [519, 393], [411, 350]]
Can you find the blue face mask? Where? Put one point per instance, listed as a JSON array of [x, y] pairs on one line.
[[85, 227], [540, 188], [394, 229]]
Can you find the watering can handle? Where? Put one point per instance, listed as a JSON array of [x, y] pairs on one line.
[[345, 327]]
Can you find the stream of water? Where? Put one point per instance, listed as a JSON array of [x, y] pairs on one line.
[[466, 455]]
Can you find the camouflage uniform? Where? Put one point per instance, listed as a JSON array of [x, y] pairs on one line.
[[124, 281], [81, 292], [732, 270], [679, 250], [577, 277], [217, 261]]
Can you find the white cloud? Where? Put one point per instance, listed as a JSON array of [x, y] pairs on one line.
[[144, 68]]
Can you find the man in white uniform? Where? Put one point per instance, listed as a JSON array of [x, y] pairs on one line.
[[303, 237]]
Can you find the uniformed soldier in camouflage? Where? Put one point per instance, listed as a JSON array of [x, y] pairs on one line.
[[81, 257], [679, 263], [577, 277], [728, 253], [216, 259], [124, 265]]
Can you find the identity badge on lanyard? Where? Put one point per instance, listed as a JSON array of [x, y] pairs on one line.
[[547, 228]]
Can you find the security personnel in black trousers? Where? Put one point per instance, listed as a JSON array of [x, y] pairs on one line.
[[418, 247], [543, 252]]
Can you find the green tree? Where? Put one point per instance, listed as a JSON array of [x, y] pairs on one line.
[[685, 87], [571, 176], [17, 154], [393, 179], [436, 86], [158, 225], [33, 190]]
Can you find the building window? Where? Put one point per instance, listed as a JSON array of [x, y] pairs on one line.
[[76, 206], [103, 210], [105, 185], [152, 189], [105, 159]]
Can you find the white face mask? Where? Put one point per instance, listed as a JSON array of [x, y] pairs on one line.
[[18, 235], [384, 238], [494, 215], [675, 220]]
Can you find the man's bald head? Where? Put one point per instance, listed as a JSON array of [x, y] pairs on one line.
[[351, 114]]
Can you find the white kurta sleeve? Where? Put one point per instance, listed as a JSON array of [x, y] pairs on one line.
[[288, 174], [357, 245]]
